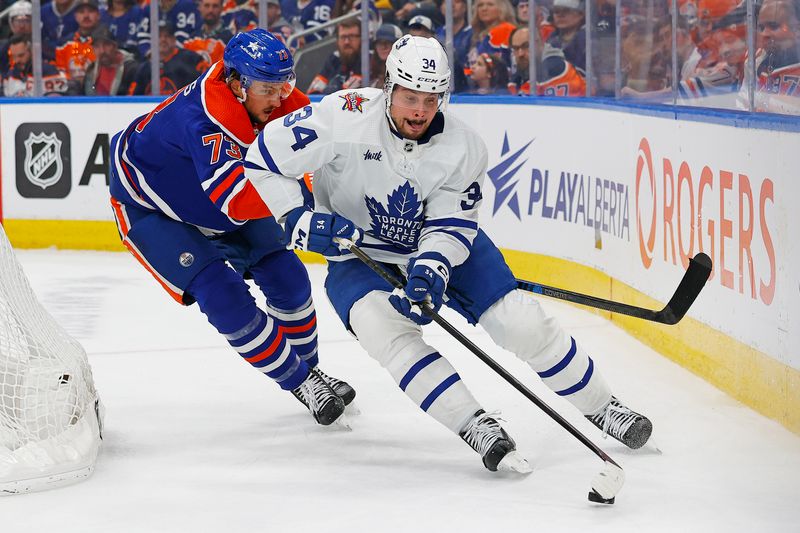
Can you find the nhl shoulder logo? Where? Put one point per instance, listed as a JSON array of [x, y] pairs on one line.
[[43, 160]]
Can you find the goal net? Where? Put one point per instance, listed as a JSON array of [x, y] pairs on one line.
[[50, 420]]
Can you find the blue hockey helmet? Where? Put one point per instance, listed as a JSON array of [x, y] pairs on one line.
[[258, 55]]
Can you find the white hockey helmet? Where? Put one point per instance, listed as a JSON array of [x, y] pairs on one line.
[[418, 63]]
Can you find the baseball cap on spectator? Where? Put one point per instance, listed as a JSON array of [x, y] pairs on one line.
[[165, 25], [21, 8], [421, 21], [571, 4], [90, 3], [102, 34], [388, 32], [276, 2]]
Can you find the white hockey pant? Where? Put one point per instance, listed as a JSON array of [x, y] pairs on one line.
[[419, 370], [517, 323]]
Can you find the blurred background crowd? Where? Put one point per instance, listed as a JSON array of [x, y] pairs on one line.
[[735, 54]]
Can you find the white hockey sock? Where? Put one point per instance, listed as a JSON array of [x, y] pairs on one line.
[[517, 323], [419, 370]]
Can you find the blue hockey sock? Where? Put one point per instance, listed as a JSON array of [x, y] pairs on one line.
[[225, 300]]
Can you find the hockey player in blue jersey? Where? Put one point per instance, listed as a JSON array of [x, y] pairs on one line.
[[185, 211], [395, 163]]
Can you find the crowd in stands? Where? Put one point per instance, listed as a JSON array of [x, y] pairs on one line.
[[102, 47]]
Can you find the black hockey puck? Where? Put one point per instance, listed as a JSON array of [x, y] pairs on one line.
[[596, 498]]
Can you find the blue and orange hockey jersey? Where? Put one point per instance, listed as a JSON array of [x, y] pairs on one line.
[[185, 158]]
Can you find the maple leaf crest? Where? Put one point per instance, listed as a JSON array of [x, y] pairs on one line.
[[400, 220]]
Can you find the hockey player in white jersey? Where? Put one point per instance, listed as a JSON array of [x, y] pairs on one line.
[[394, 171]]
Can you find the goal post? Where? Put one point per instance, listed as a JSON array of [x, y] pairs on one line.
[[50, 414]]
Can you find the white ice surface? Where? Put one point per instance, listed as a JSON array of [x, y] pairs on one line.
[[197, 441]]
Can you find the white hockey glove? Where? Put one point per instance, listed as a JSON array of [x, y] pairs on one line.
[[315, 232]]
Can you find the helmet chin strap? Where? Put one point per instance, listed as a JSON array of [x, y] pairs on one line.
[[388, 90]]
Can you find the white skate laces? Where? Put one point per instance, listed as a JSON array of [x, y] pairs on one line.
[[319, 398], [622, 423], [483, 431], [486, 436]]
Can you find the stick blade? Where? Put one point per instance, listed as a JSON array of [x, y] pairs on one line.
[[689, 288], [607, 484]]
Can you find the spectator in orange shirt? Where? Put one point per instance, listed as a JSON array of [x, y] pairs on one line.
[[18, 81], [555, 75], [74, 56]]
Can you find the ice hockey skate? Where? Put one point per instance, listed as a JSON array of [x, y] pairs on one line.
[[319, 398], [485, 435], [629, 427], [342, 389]]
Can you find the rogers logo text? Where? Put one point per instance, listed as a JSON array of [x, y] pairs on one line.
[[711, 210]]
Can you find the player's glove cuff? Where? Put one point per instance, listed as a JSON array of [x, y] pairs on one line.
[[318, 232]]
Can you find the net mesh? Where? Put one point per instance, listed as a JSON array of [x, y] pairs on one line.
[[49, 429]]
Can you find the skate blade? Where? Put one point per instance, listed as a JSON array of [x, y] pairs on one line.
[[514, 462], [653, 446], [341, 424], [352, 409]]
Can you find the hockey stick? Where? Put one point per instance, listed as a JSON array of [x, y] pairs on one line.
[[607, 483], [690, 286]]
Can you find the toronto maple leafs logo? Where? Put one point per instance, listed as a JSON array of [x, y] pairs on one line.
[[401, 43], [400, 222], [353, 102], [502, 177]]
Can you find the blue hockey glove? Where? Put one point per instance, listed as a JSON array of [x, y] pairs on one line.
[[428, 275], [315, 232]]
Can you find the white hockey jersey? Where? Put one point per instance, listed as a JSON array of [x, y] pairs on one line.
[[408, 196]]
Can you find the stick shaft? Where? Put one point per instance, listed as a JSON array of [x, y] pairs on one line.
[[688, 289]]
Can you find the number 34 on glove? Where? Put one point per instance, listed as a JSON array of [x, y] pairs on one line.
[[428, 274], [317, 232]]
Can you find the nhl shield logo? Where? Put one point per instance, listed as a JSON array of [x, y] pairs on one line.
[[43, 165], [42, 154]]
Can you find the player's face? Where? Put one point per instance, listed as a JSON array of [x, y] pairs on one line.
[[412, 111], [262, 99]]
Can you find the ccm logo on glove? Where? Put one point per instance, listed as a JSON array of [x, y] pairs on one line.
[[316, 232]]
